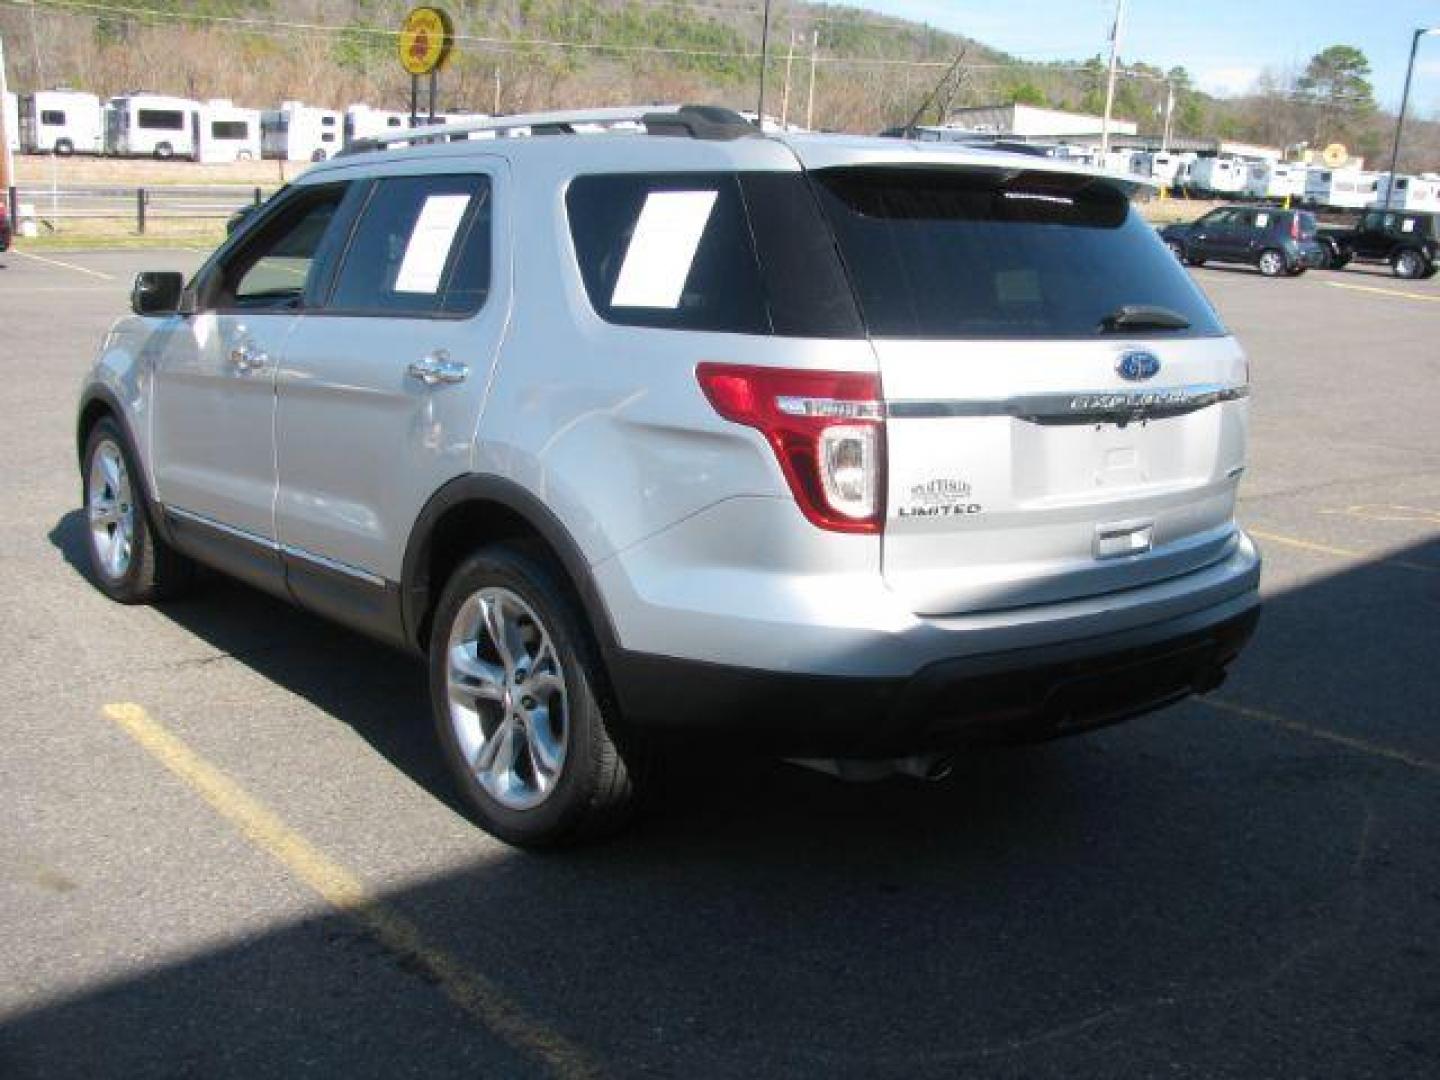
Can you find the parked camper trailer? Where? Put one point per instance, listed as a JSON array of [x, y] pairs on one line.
[[61, 122], [152, 125], [1411, 192], [299, 132], [12, 121], [1274, 180], [363, 122], [1341, 189], [228, 132], [1220, 175], [1160, 165]]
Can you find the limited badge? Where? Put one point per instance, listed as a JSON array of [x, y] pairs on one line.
[[941, 497]]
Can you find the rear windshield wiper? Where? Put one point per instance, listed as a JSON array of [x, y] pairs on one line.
[[1143, 317]]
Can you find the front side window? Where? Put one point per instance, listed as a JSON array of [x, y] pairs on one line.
[[971, 253], [422, 246], [229, 129], [273, 266], [52, 117]]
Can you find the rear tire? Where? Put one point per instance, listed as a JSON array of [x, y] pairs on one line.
[[521, 710], [1176, 248], [129, 561], [1194, 260], [164, 151], [64, 148], [1411, 265], [1272, 263]]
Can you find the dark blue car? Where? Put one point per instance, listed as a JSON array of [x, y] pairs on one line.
[[1275, 241]]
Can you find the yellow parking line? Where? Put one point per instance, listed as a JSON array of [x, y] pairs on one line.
[[471, 992], [1419, 515], [66, 265], [1338, 552], [1349, 741], [1384, 292]]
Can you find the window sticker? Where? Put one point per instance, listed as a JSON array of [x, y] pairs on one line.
[[662, 249], [429, 244], [1261, 220], [1407, 225]]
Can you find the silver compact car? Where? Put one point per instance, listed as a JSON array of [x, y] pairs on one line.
[[844, 449]]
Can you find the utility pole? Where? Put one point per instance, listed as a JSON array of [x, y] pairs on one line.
[[810, 98], [496, 110], [1400, 120], [785, 99], [1169, 114], [1110, 82], [764, 59], [7, 162]]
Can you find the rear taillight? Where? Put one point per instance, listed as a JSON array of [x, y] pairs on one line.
[[827, 429], [1294, 226]]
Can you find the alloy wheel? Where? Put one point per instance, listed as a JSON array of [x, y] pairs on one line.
[[110, 507]]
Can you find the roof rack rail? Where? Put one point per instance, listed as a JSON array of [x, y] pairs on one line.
[[689, 121]]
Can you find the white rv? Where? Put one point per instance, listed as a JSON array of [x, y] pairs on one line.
[[1220, 175], [1342, 189], [12, 121], [1275, 180], [1160, 165], [1411, 192], [299, 132], [363, 122], [228, 132], [152, 125], [61, 122]]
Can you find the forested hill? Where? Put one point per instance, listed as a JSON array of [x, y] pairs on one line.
[[873, 70]]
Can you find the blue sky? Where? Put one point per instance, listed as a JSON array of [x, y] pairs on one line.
[[1224, 43]]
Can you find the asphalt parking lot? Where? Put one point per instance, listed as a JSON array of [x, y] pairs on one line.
[[230, 849]]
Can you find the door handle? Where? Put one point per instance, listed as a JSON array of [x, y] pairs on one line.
[[246, 357], [437, 368]]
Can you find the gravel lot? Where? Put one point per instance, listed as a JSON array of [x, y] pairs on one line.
[[230, 849]]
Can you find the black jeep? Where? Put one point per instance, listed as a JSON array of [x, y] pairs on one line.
[[1408, 240]]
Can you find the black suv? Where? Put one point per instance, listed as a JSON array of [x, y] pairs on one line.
[[1276, 241], [1408, 240]]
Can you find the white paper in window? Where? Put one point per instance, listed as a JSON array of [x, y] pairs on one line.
[[1261, 220], [662, 249], [1407, 225], [429, 244]]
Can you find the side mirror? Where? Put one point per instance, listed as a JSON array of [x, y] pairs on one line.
[[156, 292]]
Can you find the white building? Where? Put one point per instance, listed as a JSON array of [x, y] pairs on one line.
[[1220, 175], [1342, 189], [1411, 192], [299, 132], [228, 132], [152, 125], [61, 122], [1274, 180], [1033, 122]]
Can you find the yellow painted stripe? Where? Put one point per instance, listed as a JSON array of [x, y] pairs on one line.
[[1364, 746], [1400, 293], [1339, 552], [61, 263], [471, 992]]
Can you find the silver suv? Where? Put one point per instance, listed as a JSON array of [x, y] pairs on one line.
[[853, 450]]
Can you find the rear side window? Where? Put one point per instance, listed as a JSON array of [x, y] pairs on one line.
[[737, 253], [421, 247], [54, 117], [984, 254]]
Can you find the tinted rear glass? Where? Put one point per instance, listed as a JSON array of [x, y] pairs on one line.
[[742, 253], [984, 254]]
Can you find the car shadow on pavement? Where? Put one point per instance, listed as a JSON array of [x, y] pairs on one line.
[[1199, 889]]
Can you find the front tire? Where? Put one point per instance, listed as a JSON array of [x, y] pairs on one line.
[[128, 560], [517, 691], [164, 151], [1272, 263]]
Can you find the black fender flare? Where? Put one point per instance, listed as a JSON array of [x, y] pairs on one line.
[[415, 586]]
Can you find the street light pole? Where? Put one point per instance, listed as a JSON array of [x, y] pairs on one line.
[[1110, 81], [1400, 120]]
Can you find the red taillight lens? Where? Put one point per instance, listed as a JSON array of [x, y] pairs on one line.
[[1294, 226], [827, 429]]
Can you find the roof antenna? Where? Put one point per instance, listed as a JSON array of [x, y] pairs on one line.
[[909, 129], [764, 58]]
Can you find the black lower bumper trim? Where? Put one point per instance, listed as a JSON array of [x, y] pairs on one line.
[[1018, 696]]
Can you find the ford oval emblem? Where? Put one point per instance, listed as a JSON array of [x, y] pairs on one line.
[[1137, 365]]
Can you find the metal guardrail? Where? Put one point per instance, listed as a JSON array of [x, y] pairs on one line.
[[55, 208]]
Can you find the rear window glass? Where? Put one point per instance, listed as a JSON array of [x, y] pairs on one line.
[[747, 253], [985, 254]]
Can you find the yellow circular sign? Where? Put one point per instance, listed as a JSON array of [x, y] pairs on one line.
[[1335, 155], [425, 39]]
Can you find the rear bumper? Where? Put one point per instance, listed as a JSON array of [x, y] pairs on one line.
[[1022, 694]]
